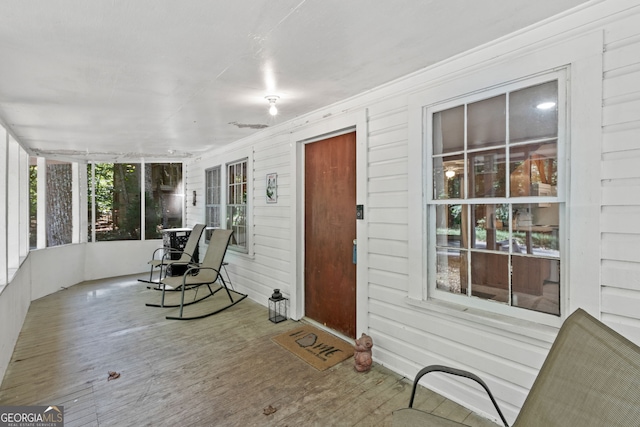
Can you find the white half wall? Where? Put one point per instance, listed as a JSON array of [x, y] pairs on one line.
[[45, 271]]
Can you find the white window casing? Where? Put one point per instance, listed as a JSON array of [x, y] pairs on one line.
[[580, 60]]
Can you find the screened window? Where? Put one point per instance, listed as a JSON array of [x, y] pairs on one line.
[[33, 203], [495, 212], [212, 199], [117, 204], [59, 201], [164, 198], [237, 204]]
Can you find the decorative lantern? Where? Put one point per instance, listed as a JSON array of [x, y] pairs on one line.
[[277, 307]]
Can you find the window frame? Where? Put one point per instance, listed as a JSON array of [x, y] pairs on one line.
[[141, 166], [506, 62], [210, 191], [234, 243], [431, 202]]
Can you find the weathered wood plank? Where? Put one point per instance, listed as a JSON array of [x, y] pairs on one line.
[[222, 370]]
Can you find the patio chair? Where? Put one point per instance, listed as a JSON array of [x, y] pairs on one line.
[[205, 274], [165, 262], [591, 377]]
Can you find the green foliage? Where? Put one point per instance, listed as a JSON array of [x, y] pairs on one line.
[[103, 188]]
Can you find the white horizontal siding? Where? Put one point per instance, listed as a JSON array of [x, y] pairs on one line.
[[387, 201], [408, 334], [193, 176], [272, 240], [621, 138], [620, 173], [621, 274]]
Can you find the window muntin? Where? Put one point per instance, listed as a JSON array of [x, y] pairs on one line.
[[237, 204], [213, 199], [494, 206]]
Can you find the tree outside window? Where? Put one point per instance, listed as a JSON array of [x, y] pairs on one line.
[[117, 201], [163, 198], [59, 203]]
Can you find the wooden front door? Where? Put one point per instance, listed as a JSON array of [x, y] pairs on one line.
[[330, 228]]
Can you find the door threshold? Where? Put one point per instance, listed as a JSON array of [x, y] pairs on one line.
[[326, 329]]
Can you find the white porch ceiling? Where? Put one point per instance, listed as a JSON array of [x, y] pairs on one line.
[[122, 79]]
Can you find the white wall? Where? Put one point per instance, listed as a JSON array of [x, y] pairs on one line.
[[604, 206], [620, 176], [111, 259], [15, 299], [407, 333], [45, 271]]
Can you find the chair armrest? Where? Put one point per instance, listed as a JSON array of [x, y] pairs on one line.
[[460, 373], [170, 251], [154, 252], [195, 267]]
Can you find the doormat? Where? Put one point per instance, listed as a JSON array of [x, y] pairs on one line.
[[318, 348]]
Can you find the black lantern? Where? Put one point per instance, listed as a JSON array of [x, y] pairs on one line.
[[277, 307]]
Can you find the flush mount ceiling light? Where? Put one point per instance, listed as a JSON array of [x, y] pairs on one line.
[[545, 105], [272, 104], [450, 173]]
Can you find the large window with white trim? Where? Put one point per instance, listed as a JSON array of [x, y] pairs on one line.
[[212, 199], [133, 201], [495, 202], [237, 204]]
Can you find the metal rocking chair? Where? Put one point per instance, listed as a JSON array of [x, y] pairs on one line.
[[205, 274], [165, 262], [591, 377]]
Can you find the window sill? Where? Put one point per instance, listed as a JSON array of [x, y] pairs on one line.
[[11, 274], [486, 318], [241, 254]]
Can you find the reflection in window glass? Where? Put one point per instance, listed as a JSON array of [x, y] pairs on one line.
[[533, 112], [449, 226], [237, 204], [450, 239], [117, 201], [500, 251], [536, 284], [59, 203], [488, 173], [491, 227], [448, 177], [448, 130], [486, 123], [451, 275], [533, 168], [490, 276], [212, 202], [535, 229], [163, 198]]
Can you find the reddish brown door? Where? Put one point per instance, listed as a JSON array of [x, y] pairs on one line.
[[330, 227]]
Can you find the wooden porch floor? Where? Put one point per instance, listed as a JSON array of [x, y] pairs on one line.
[[220, 371]]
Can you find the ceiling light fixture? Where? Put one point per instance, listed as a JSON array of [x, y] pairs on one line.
[[545, 105], [450, 173], [272, 104]]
